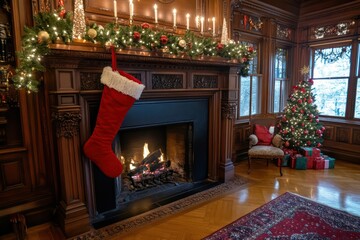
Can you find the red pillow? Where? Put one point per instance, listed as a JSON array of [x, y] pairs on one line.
[[263, 134]]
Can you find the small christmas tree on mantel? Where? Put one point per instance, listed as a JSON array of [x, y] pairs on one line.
[[299, 125]]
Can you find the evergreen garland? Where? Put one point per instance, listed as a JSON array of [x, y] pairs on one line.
[[51, 28]]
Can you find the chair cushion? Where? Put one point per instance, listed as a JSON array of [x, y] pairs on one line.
[[263, 134], [265, 151]]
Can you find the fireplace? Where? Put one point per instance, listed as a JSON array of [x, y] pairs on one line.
[[163, 145], [189, 103]]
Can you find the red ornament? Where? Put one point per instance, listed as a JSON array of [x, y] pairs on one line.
[[287, 144], [318, 145], [311, 82], [145, 25], [244, 59], [306, 132], [136, 36], [61, 8], [300, 101], [219, 46], [250, 49], [309, 100], [308, 143], [163, 39]]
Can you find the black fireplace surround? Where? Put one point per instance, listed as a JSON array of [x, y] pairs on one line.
[[154, 113]]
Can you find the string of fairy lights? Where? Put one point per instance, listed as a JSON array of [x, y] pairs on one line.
[[60, 26]]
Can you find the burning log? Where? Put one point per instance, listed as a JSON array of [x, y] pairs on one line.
[[151, 171], [151, 157]]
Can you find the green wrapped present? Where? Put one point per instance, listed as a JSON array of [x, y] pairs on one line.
[[301, 163], [329, 162]]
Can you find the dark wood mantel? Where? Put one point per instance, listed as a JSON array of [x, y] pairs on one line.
[[72, 85]]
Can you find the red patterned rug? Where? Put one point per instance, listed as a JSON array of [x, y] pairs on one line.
[[291, 216]]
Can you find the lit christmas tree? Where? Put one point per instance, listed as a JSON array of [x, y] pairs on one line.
[[299, 125]]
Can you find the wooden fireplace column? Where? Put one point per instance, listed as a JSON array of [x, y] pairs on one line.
[[72, 81]]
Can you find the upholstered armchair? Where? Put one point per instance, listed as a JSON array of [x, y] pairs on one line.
[[265, 144]]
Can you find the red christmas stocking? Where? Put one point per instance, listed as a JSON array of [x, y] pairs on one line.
[[120, 92]]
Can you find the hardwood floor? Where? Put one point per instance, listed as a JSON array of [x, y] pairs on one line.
[[338, 188]]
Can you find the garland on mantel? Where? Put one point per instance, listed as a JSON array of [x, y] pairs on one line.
[[51, 28]]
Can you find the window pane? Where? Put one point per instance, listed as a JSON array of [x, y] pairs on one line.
[[244, 96], [330, 96], [280, 63], [277, 96], [357, 103], [255, 95], [332, 62]]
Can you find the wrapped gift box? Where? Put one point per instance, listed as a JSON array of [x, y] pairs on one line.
[[329, 162], [285, 160], [316, 152], [301, 163], [319, 163], [310, 162], [293, 160], [306, 151]]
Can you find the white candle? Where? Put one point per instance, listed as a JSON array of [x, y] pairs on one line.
[[155, 11], [202, 24], [174, 15], [197, 21], [131, 7], [115, 8], [187, 21], [213, 24]]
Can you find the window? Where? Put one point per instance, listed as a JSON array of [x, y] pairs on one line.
[[250, 86], [281, 79], [331, 71], [357, 100]]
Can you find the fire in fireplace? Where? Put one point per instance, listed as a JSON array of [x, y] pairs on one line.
[[155, 158]]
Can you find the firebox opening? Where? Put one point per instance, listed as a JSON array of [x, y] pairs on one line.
[[155, 159]]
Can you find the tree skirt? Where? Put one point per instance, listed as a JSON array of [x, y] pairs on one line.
[[290, 216]]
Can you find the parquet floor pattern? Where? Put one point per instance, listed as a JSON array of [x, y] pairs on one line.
[[338, 188]]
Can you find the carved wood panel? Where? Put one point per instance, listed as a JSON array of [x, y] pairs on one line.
[[356, 136], [343, 135]]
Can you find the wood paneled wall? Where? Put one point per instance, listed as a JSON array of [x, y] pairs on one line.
[[342, 135]]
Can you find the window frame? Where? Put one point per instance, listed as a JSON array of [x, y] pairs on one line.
[[351, 78], [284, 82], [251, 76]]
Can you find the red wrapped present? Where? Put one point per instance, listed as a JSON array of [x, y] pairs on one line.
[[316, 152], [310, 162], [293, 160], [319, 163]]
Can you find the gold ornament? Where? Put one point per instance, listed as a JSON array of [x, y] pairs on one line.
[[305, 70], [92, 33], [43, 36], [108, 44], [182, 43]]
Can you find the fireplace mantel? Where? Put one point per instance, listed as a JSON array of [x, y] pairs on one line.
[[72, 85]]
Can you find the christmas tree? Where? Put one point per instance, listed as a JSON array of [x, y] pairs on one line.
[[299, 125]]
